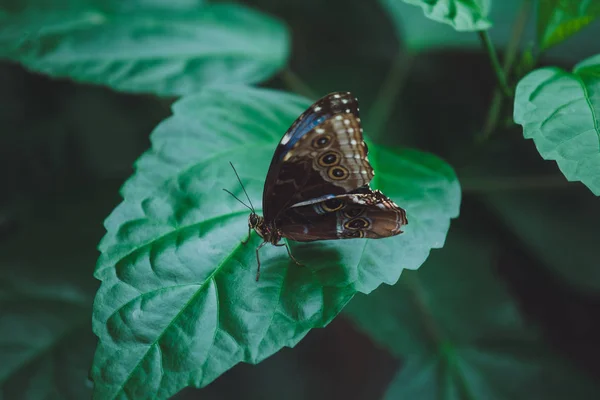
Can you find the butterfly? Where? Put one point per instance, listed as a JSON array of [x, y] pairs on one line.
[[317, 187]]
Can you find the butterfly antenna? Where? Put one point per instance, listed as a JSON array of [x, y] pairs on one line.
[[235, 197], [243, 188]]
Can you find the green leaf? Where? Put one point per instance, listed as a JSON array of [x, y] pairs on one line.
[[459, 334], [162, 51], [560, 111], [560, 19], [462, 15], [178, 304]]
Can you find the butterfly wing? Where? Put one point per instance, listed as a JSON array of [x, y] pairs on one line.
[[322, 155], [366, 214]]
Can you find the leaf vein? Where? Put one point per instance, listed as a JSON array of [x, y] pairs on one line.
[[177, 230], [588, 100], [183, 309]]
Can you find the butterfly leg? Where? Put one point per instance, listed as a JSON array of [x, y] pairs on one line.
[[290, 253], [248, 238], [258, 260]]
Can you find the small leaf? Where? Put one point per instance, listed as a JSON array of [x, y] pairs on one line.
[[148, 49], [178, 304], [560, 19], [560, 111], [459, 334], [462, 15]]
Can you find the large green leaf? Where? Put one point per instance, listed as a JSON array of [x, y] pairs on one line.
[[462, 15], [459, 333], [147, 49], [560, 19], [560, 111], [178, 304]]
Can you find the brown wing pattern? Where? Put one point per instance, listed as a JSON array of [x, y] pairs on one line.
[[369, 214], [327, 159]]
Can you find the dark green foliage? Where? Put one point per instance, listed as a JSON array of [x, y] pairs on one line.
[[140, 48], [459, 333], [504, 308]]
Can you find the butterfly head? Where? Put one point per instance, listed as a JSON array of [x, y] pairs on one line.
[[255, 221], [264, 230]]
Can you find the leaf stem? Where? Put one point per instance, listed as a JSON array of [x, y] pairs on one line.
[[296, 84], [512, 48], [515, 37], [443, 346], [491, 119], [416, 289], [380, 111], [500, 75]]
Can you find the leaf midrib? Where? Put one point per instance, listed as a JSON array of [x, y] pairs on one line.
[[588, 100], [174, 231], [202, 287], [274, 308], [186, 170], [166, 235]]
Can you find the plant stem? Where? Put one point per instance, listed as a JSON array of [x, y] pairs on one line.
[[445, 347], [491, 119], [380, 111], [512, 49], [432, 331], [297, 85], [500, 75]]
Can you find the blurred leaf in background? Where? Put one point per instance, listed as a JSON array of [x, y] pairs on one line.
[[460, 335], [560, 228], [144, 48], [422, 34], [46, 296], [560, 19], [448, 22], [462, 15], [64, 150]]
